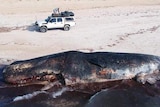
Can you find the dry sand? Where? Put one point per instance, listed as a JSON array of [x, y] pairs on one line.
[[101, 25]]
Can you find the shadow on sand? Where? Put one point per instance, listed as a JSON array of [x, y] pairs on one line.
[[32, 28]]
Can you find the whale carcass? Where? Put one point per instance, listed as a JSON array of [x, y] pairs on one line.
[[73, 67]]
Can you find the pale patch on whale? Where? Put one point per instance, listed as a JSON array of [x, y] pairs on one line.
[[28, 96], [60, 92]]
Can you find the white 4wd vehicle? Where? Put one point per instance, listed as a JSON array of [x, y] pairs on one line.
[[55, 22]]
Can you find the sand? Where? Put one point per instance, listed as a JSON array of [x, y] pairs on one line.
[[131, 26]]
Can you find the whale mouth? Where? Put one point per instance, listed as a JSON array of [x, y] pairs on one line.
[[22, 79]]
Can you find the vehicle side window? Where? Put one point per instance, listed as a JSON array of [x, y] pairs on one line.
[[53, 20], [69, 19], [59, 20]]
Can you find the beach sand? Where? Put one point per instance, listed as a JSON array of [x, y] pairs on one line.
[[101, 25]]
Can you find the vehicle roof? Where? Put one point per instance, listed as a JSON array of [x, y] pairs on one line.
[[61, 16]]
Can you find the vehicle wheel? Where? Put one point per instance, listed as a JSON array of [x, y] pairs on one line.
[[66, 28], [43, 29]]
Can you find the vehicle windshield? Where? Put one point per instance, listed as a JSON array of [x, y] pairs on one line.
[[48, 19]]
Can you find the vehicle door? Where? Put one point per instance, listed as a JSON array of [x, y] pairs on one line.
[[52, 23], [60, 22]]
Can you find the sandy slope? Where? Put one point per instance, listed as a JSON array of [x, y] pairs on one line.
[[133, 29]]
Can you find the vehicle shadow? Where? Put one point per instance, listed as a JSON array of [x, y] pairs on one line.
[[32, 28]]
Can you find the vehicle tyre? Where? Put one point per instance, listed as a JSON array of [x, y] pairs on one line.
[[66, 27], [43, 29]]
